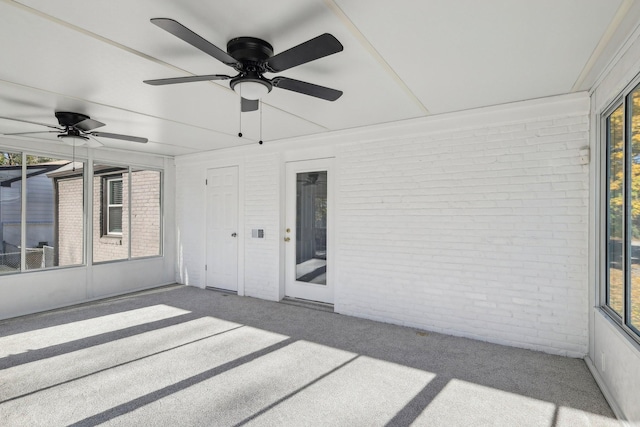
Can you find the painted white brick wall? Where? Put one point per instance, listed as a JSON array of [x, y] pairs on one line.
[[480, 233], [190, 220], [262, 210], [261, 203], [460, 224]]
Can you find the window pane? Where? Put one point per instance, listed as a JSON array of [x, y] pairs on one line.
[[115, 192], [10, 211], [634, 105], [106, 246], [615, 214], [145, 213], [311, 227], [115, 219], [55, 212]]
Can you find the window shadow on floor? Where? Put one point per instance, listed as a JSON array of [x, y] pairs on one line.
[[443, 366]]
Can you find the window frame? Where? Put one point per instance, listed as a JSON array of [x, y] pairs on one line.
[[111, 170], [107, 205], [623, 320], [24, 210]]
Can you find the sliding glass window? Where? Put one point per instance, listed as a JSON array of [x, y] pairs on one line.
[[10, 212], [41, 212], [127, 220], [621, 292]]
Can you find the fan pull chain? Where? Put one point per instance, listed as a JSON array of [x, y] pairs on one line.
[[240, 121], [73, 155], [261, 105]]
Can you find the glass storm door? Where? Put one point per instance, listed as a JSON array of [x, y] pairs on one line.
[[308, 230]]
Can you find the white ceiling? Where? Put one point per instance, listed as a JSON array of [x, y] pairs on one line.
[[401, 60]]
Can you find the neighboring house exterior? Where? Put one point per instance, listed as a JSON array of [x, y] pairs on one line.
[[110, 244], [39, 213], [55, 215], [110, 214]]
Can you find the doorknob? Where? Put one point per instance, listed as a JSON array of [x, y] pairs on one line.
[[286, 239], [234, 234]]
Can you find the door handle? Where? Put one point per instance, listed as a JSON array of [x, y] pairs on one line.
[[234, 234], [286, 239]]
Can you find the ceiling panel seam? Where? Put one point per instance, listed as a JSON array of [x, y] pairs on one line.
[[337, 10], [141, 55], [602, 44]]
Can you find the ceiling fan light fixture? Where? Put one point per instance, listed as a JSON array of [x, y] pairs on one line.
[[74, 140], [252, 89]]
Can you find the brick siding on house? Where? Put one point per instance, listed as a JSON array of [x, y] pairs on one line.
[[145, 213], [70, 220], [145, 219]]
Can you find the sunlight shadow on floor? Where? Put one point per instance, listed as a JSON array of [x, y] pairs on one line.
[[54, 335]]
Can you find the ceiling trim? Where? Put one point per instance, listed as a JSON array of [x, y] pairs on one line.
[[331, 4], [602, 44]]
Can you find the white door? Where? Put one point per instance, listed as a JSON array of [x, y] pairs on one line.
[[222, 228], [308, 230]]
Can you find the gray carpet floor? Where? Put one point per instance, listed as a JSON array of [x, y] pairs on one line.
[[186, 356]]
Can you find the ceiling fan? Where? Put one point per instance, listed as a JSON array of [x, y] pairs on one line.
[[251, 58], [77, 129]]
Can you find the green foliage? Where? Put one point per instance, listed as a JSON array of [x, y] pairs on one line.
[[15, 159], [616, 138]]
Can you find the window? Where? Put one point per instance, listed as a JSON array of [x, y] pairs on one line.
[[113, 208], [49, 231], [621, 293], [127, 213], [55, 213], [10, 212]]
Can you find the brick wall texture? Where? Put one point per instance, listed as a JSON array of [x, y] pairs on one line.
[[70, 220], [481, 233], [262, 210], [478, 231], [145, 219], [145, 213]]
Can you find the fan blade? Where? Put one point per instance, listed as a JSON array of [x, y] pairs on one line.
[[32, 123], [247, 105], [182, 32], [29, 133], [88, 124], [306, 88], [159, 82], [308, 51], [118, 136]]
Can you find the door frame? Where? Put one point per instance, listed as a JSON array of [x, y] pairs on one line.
[[324, 163], [241, 221]]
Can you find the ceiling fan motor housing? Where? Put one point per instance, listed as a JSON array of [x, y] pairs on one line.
[[68, 119], [249, 49]]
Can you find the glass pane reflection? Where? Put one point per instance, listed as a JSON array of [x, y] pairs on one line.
[[311, 227], [634, 304], [615, 214]]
